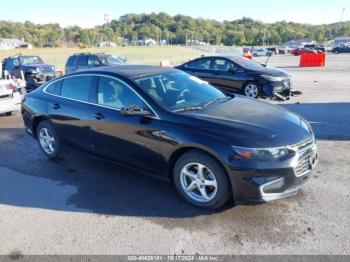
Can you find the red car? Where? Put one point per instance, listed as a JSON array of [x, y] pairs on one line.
[[300, 51]]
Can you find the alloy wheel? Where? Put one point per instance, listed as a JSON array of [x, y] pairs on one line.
[[251, 90], [47, 141], [198, 182]]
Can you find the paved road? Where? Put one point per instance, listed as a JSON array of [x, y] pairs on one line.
[[81, 205]]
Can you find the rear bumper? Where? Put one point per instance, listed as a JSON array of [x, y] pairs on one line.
[[10, 104]]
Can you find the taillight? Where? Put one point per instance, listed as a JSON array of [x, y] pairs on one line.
[[11, 87]]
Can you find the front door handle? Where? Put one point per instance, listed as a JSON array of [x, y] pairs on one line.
[[98, 116], [55, 106]]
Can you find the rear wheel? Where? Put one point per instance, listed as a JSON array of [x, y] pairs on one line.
[[251, 89], [48, 140], [201, 180]]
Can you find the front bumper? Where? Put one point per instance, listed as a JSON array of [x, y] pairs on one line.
[[280, 90], [273, 180], [38, 79]]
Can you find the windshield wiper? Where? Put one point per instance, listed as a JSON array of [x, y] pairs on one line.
[[188, 108], [212, 101], [201, 106]]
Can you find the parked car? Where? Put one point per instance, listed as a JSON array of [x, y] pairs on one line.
[[178, 128], [33, 68], [274, 50], [318, 48], [341, 49], [283, 51], [10, 97], [300, 51], [84, 61], [232, 74], [262, 52]]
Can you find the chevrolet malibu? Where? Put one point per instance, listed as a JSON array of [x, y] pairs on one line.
[[178, 128], [233, 73]]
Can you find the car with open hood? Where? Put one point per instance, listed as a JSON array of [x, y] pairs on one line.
[[176, 127], [30, 67]]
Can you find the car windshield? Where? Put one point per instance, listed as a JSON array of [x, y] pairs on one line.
[[111, 60], [247, 63], [33, 60], [178, 91]]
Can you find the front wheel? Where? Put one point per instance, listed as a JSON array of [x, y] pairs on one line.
[[201, 180], [48, 140], [251, 89]]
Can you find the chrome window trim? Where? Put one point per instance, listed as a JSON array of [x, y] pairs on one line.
[[156, 116]]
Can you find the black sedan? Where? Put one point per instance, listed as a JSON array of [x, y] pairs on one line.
[[175, 127], [341, 49], [230, 73]]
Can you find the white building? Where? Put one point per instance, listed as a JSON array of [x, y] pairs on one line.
[[150, 42], [106, 44], [296, 43], [341, 41], [9, 43]]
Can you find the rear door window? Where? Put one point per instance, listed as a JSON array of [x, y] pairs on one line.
[[82, 60], [54, 88], [93, 61], [220, 64], [116, 94], [71, 61], [77, 88], [203, 63]]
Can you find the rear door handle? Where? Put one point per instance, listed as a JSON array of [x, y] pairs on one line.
[[55, 106], [98, 116]]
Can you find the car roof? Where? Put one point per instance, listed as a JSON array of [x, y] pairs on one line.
[[18, 56], [130, 71], [230, 57]]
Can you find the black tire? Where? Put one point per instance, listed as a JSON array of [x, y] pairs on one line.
[[57, 143], [247, 85], [224, 191], [8, 113]]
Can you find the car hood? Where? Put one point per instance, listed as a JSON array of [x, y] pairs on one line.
[[251, 123], [42, 67], [272, 71]]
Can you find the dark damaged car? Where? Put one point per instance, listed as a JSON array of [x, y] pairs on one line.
[[238, 74], [32, 68]]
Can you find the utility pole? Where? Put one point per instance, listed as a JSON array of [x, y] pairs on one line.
[[264, 37], [342, 14], [107, 19]]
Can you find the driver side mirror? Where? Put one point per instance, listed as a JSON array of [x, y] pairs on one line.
[[132, 110]]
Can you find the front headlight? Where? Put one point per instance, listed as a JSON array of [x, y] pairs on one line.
[[262, 154], [273, 78], [36, 70]]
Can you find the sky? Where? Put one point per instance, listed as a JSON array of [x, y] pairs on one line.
[[88, 13]]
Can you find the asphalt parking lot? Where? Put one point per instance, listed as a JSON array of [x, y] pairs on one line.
[[81, 205]]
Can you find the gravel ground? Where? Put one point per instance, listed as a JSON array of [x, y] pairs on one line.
[[81, 205]]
